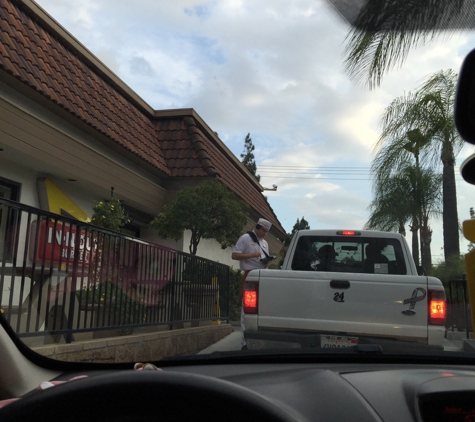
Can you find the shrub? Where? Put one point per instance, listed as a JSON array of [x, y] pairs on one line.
[[109, 214], [235, 297], [122, 309], [452, 269]]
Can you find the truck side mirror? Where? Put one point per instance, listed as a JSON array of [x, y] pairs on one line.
[[421, 270]]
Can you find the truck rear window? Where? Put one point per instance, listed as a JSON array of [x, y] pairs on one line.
[[349, 255]]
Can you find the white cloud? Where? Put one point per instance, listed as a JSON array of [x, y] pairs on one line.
[[271, 68], [361, 123], [76, 15]]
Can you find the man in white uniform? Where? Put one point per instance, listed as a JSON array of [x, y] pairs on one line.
[[249, 254]]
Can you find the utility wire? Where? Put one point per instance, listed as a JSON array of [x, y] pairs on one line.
[[332, 173]]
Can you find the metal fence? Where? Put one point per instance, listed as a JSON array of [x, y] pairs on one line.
[[60, 276], [459, 318]]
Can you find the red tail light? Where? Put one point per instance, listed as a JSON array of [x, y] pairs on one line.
[[348, 233], [437, 307], [250, 297]]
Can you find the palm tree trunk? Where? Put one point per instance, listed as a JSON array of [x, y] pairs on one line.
[[449, 203], [426, 239], [402, 229], [415, 240]]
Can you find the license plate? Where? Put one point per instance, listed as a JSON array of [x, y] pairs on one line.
[[338, 341]]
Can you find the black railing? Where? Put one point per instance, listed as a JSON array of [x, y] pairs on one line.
[[60, 276], [459, 317]]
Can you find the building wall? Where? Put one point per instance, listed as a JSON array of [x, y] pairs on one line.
[[40, 140], [19, 173], [34, 147], [210, 249], [38, 143]]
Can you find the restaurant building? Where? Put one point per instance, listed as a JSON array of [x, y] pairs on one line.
[[70, 130]]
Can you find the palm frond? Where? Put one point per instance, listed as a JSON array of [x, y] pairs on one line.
[[384, 33]]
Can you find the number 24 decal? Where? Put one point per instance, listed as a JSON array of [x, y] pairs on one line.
[[339, 297]]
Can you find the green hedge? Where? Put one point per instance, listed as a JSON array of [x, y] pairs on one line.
[[235, 298]]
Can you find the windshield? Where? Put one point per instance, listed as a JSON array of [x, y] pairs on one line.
[[189, 177]]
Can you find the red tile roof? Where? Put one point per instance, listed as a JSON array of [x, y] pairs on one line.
[[178, 146], [190, 153], [37, 58]]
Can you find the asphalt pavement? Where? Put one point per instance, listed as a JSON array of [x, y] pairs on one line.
[[228, 343], [452, 345]]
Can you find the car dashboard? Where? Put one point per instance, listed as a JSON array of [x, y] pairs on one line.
[[369, 392], [316, 391]]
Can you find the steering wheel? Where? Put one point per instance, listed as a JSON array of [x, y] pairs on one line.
[[145, 395]]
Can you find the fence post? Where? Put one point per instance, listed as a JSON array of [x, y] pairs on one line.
[[216, 310], [72, 294], [173, 305], [466, 305], [451, 301]]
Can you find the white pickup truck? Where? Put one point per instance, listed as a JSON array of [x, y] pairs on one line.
[[340, 288]]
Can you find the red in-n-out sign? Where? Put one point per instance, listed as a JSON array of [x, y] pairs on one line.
[[56, 242]]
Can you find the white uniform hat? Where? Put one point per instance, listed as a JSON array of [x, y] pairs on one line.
[[264, 223]]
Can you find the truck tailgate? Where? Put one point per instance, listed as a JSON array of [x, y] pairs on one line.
[[372, 304]]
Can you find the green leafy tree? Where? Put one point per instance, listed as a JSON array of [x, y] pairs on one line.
[[385, 32], [452, 269], [209, 211], [248, 157], [300, 225], [421, 126]]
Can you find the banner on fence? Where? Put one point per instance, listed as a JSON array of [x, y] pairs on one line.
[[55, 241]]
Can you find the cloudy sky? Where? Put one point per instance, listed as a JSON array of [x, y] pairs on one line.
[[274, 69]]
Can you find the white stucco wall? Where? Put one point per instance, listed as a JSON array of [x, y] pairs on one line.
[[210, 249], [207, 248], [26, 177], [150, 235]]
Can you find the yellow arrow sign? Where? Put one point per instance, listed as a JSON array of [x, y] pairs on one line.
[[469, 230]]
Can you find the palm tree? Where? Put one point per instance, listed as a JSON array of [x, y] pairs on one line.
[[426, 195], [390, 209], [410, 195], [437, 97], [421, 125], [384, 32]]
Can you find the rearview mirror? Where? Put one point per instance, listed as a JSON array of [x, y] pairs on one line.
[[464, 112]]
